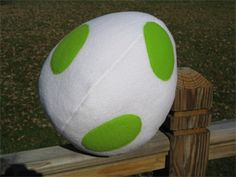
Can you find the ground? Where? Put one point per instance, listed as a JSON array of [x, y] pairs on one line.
[[205, 38]]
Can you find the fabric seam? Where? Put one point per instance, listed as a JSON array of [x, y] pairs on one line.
[[100, 79]]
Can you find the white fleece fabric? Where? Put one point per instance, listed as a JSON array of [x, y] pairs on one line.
[[110, 76]]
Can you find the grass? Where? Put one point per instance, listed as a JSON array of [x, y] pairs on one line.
[[204, 33]]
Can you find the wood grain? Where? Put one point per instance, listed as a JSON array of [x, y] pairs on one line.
[[58, 161], [121, 168], [188, 122], [188, 154], [186, 126], [193, 91]]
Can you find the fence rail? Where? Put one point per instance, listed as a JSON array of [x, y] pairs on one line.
[[66, 161], [184, 146]]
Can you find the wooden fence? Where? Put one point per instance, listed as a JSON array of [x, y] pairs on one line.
[[183, 147]]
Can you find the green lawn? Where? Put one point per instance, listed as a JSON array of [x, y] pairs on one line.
[[204, 33]]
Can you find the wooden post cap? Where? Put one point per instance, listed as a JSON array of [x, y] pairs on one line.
[[193, 101], [193, 91], [186, 125]]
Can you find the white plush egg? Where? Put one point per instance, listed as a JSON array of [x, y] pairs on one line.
[[109, 84]]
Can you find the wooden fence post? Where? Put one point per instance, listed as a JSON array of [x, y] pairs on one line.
[[186, 125]]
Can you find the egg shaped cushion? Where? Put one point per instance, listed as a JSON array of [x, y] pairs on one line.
[[108, 85]]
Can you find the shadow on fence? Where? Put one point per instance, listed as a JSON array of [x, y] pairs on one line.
[[19, 170]]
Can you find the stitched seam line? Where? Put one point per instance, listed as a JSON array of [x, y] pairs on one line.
[[100, 79]]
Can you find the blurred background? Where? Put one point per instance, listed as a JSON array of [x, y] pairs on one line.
[[205, 37]]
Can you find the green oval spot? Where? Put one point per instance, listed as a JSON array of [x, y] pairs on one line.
[[68, 48], [160, 50], [113, 134]]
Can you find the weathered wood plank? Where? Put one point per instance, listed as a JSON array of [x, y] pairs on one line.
[[185, 121], [58, 160], [222, 139], [189, 154], [193, 91], [222, 150], [186, 126], [120, 168]]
